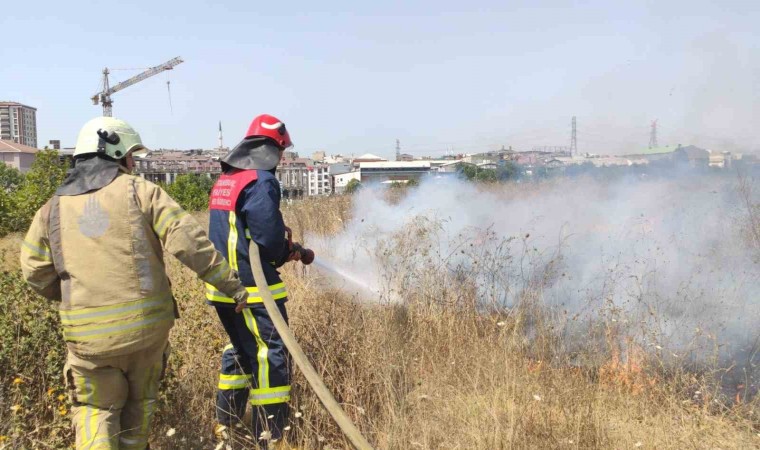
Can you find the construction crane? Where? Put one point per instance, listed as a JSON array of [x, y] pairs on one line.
[[104, 96]]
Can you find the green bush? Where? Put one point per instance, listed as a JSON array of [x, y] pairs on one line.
[[21, 200], [191, 191], [10, 178], [353, 186], [32, 354]]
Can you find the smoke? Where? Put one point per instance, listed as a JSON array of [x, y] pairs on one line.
[[665, 257]]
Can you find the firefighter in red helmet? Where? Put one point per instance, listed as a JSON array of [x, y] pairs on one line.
[[244, 208]]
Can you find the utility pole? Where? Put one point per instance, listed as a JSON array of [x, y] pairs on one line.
[[574, 139], [398, 150], [653, 135]]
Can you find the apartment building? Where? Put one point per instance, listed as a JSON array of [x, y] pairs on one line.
[[18, 123]]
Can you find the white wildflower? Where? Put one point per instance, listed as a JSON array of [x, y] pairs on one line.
[[286, 428], [638, 444], [536, 397], [265, 436], [298, 414], [501, 324], [171, 432], [271, 416]]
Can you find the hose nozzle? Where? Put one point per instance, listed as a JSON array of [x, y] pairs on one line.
[[307, 254]]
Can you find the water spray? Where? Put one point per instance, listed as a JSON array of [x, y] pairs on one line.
[[340, 273]]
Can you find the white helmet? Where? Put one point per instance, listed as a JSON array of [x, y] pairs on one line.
[[109, 136]]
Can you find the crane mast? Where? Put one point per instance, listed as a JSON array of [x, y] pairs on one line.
[[104, 97]]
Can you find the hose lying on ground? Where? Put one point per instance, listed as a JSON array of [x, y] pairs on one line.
[[315, 381]]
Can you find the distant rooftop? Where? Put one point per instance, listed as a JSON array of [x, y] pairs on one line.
[[657, 150], [394, 164], [12, 147], [370, 157], [3, 103]]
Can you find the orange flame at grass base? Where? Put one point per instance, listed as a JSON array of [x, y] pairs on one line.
[[625, 368]]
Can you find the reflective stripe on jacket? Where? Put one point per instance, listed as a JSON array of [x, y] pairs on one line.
[[101, 254], [253, 214]]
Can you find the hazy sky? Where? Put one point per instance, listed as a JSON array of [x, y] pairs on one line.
[[351, 77]]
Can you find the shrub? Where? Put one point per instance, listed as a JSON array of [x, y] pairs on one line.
[[191, 191]]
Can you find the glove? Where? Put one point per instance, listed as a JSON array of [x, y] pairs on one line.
[[241, 299], [295, 253]]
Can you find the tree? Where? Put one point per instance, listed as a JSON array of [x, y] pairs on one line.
[[472, 172], [191, 191], [468, 171], [6, 207], [39, 185], [10, 178], [353, 186], [509, 171]]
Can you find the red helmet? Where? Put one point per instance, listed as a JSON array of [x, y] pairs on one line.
[[271, 127]]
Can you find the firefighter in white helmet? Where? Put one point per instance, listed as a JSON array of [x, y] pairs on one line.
[[97, 247]]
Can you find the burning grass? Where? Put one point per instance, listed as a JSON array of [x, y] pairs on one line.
[[432, 366]]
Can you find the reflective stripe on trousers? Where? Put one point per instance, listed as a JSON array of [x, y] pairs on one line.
[[114, 398], [257, 369]]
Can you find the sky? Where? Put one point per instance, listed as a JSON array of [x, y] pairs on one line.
[[352, 77]]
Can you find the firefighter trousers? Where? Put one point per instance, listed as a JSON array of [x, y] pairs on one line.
[[114, 397], [255, 369]]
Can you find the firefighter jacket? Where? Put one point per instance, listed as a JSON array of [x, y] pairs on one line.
[[245, 206], [100, 253]]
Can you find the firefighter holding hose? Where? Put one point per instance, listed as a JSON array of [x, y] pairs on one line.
[[245, 208]]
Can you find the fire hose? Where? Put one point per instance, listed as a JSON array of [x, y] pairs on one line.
[[315, 381]]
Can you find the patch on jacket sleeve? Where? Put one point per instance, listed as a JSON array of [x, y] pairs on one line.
[[227, 188]]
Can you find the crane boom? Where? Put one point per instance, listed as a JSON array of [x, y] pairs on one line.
[[104, 97]]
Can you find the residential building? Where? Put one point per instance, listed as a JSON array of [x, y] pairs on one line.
[[318, 180], [292, 173], [340, 181], [720, 159], [18, 156], [165, 165], [332, 159], [18, 123]]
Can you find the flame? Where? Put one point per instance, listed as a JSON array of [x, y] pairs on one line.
[[739, 399], [625, 367]]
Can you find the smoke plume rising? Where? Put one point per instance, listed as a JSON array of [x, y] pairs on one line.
[[666, 257]]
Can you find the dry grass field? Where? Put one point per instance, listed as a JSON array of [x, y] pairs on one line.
[[437, 370]]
